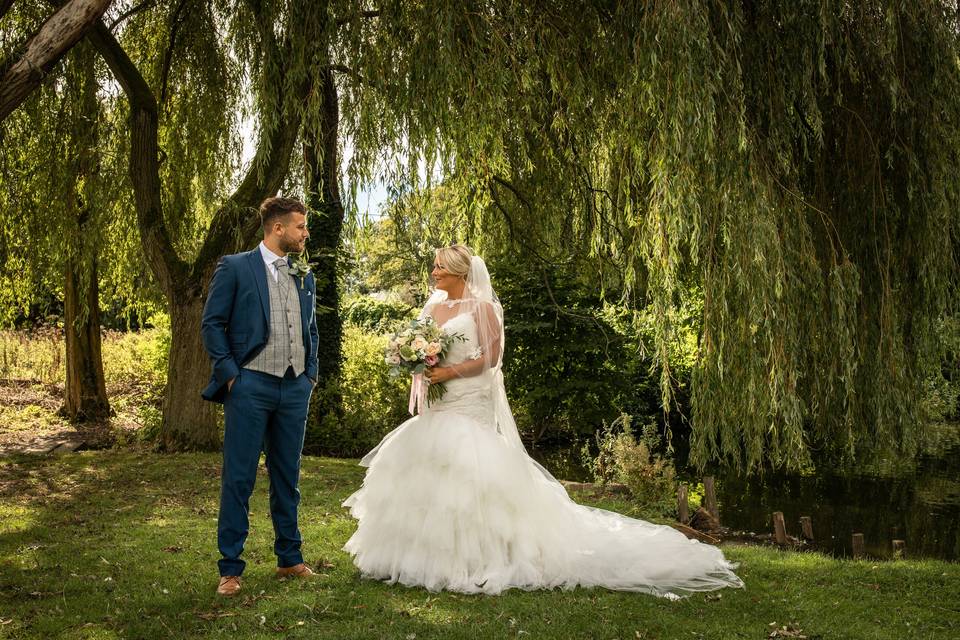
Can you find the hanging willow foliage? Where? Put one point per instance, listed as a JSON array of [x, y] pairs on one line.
[[793, 163]]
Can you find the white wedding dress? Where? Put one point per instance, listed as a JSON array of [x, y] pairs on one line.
[[448, 502]]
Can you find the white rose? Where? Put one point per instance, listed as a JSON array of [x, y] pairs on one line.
[[433, 349], [418, 343], [393, 358]]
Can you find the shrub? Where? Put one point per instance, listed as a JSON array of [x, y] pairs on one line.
[[138, 356], [367, 312], [567, 368], [373, 402], [623, 458]]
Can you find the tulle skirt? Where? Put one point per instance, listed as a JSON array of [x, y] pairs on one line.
[[446, 504]]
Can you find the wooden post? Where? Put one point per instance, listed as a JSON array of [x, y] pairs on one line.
[[899, 547], [779, 528], [710, 495], [858, 545], [806, 528], [683, 513]]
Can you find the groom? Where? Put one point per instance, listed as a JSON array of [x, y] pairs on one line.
[[260, 330]]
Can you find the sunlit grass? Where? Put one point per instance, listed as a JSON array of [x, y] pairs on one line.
[[110, 545]]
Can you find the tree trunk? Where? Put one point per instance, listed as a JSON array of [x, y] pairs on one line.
[[61, 31], [85, 393], [322, 168], [189, 422]]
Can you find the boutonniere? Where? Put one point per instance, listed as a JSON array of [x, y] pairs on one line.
[[300, 266]]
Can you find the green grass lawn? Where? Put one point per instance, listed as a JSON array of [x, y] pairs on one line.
[[123, 545]]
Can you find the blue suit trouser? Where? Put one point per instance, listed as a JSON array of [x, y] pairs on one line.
[[262, 412]]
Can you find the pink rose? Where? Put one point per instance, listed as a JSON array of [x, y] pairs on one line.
[[431, 360]]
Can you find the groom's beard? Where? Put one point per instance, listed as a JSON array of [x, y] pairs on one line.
[[290, 246]]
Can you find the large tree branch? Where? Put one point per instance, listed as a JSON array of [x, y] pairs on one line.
[[166, 265], [55, 37], [175, 21]]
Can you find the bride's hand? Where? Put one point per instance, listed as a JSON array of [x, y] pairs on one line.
[[437, 375]]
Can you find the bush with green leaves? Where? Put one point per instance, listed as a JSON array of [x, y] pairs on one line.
[[633, 461], [373, 402], [567, 366], [941, 400], [367, 312]]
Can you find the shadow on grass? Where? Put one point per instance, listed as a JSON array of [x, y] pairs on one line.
[[110, 545]]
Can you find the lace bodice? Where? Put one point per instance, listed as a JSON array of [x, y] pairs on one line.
[[469, 395], [466, 349]]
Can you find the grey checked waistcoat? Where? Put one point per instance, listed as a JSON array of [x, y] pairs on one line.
[[284, 346]]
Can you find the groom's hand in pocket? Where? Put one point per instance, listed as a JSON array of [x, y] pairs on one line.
[[230, 383]]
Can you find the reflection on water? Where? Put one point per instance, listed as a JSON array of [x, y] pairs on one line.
[[916, 500]]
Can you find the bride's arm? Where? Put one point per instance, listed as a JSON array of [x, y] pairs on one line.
[[488, 330]]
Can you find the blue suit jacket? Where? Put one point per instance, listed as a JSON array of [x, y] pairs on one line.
[[236, 319]]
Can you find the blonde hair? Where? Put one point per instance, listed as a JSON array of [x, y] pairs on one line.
[[455, 258]]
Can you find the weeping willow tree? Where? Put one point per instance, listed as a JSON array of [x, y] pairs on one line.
[[793, 163], [59, 212]]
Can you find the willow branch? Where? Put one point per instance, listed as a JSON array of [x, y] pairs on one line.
[[344, 69], [129, 13], [168, 56]]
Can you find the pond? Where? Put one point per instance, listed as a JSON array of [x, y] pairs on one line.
[[916, 500]]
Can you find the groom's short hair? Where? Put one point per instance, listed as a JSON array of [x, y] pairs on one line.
[[273, 209]]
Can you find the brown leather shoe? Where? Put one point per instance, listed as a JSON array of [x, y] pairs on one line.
[[296, 571], [229, 586]]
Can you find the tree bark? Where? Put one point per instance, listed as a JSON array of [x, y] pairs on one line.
[[55, 37], [85, 393], [322, 168], [189, 422]]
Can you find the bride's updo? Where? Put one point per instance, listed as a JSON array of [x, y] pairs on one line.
[[456, 259]]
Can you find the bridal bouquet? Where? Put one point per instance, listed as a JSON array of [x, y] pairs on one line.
[[422, 344]]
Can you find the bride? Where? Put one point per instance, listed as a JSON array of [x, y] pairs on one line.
[[451, 500]]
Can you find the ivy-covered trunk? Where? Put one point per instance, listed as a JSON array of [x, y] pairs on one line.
[[323, 197]]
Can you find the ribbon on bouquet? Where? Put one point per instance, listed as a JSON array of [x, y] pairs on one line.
[[418, 394]]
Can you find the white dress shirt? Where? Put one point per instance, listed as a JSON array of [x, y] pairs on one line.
[[269, 257]]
